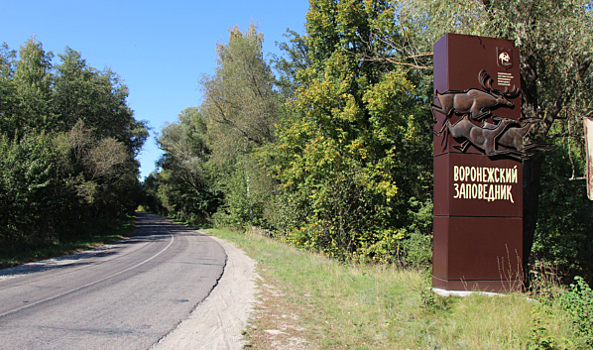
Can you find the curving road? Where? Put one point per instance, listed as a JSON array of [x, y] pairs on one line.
[[126, 295]]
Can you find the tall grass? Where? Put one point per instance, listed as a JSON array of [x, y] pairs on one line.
[[356, 306]]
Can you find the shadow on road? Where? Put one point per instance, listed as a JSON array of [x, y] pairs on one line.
[[149, 228]]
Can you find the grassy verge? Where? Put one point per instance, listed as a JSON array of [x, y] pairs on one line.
[[311, 302], [77, 244]]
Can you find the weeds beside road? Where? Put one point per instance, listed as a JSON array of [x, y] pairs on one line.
[[311, 302]]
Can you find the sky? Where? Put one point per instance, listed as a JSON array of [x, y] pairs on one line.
[[159, 48]]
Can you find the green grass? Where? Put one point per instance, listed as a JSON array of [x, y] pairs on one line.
[[324, 304], [77, 244]]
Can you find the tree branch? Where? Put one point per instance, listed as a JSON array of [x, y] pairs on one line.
[[393, 61], [563, 181]]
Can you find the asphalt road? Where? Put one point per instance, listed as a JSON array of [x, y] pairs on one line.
[[127, 295]]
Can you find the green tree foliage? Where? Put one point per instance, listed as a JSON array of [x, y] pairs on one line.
[[239, 101], [184, 186], [33, 78], [27, 191], [99, 172], [357, 150], [563, 238], [241, 108], [297, 60], [68, 146], [26, 88], [8, 103], [98, 99]]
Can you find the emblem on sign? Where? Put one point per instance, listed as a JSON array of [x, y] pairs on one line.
[[504, 57]]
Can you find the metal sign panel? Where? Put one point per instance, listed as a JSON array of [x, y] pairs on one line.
[[588, 123], [478, 152]]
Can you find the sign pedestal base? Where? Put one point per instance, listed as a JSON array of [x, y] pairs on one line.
[[473, 253]]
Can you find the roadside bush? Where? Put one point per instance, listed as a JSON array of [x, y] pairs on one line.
[[417, 247], [244, 200], [578, 302], [285, 211], [347, 220]]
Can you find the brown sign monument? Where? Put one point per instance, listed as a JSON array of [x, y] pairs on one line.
[[479, 143]]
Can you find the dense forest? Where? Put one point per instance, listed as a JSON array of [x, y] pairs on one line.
[[329, 146], [68, 142]]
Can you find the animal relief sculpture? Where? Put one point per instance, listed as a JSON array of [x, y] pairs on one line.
[[475, 102], [488, 136], [479, 136], [475, 106]]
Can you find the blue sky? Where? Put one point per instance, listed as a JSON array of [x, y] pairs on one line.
[[159, 48]]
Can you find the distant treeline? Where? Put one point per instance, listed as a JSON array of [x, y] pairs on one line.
[[67, 143]]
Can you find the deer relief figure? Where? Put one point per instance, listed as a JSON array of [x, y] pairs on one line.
[[481, 137], [514, 137], [475, 102]]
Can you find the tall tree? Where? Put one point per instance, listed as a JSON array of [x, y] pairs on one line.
[[27, 192], [98, 137], [239, 99], [70, 141], [295, 59], [8, 91], [34, 79], [241, 107], [185, 175], [359, 151], [98, 98]]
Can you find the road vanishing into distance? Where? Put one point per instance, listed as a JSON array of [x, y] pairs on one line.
[[126, 295]]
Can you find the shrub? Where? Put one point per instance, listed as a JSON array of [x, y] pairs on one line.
[[417, 247], [578, 302]]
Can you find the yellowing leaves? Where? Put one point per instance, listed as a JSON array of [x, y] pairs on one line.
[[343, 156], [388, 93]]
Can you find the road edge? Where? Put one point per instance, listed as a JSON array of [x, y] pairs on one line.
[[219, 321]]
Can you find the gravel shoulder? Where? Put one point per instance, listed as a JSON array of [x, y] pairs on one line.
[[218, 321]]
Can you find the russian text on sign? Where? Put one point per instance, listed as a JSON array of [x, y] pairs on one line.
[[475, 183]]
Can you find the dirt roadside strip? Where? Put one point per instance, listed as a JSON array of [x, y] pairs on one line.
[[218, 321]]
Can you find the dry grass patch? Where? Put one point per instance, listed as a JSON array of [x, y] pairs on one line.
[[276, 324]]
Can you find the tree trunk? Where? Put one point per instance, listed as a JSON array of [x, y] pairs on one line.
[[247, 182], [532, 171]]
